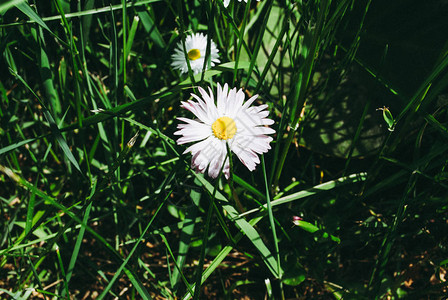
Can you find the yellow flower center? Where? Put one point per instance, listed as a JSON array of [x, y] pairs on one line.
[[224, 128], [194, 54]]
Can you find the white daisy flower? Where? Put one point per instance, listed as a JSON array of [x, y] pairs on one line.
[[230, 121], [196, 46], [227, 2]]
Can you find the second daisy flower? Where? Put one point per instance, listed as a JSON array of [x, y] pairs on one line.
[[196, 47]]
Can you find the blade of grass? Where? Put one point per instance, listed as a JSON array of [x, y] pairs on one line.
[[46, 75], [379, 270], [51, 201], [27, 10], [54, 128], [241, 40], [271, 221], [151, 28], [64, 277], [30, 211], [79, 238], [359, 177], [124, 33], [176, 264], [266, 9], [8, 4]]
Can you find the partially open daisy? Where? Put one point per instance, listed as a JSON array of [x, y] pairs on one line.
[[196, 47], [230, 121], [226, 2]]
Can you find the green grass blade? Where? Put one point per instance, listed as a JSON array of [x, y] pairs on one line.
[[220, 257], [271, 218], [17, 145], [151, 28], [47, 78], [418, 97], [312, 191], [8, 4], [77, 247], [27, 10], [30, 212]]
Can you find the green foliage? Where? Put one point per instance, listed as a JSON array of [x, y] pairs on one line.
[[97, 201]]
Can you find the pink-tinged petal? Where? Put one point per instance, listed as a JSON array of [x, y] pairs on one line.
[[260, 130], [248, 158], [197, 109], [260, 144], [217, 161]]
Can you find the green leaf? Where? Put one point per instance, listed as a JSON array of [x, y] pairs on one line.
[[313, 228], [151, 28], [27, 10], [312, 191], [8, 4]]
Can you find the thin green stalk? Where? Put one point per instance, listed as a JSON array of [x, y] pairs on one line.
[[182, 38], [207, 59], [178, 268], [272, 223], [61, 266], [125, 34]]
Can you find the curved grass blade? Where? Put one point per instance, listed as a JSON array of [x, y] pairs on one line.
[[312, 191], [27, 10], [8, 4]]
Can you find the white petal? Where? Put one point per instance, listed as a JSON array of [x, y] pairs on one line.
[[193, 133]]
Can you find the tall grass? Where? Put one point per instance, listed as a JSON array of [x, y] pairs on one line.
[[98, 201]]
